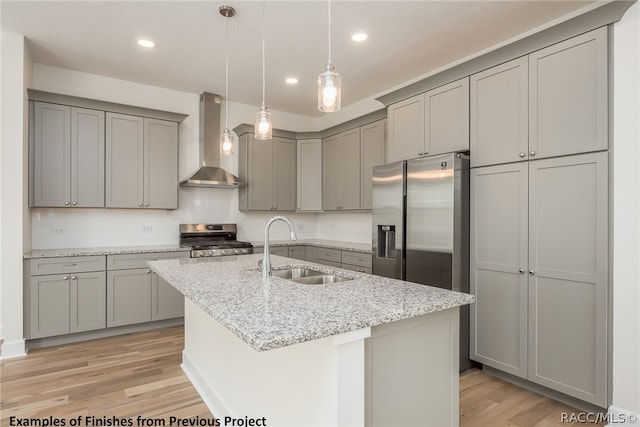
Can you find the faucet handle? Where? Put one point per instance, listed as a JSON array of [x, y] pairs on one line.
[[260, 263]]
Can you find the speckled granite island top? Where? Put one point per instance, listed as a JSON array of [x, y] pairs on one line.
[[283, 313], [109, 250], [319, 243]]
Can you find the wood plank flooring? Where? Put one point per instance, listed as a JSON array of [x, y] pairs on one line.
[[140, 375]]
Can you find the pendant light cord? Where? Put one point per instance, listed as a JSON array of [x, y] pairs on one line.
[[226, 73], [329, 13], [263, 67]]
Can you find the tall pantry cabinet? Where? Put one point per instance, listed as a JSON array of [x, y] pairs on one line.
[[539, 217]]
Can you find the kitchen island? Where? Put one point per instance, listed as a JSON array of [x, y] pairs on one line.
[[367, 351]]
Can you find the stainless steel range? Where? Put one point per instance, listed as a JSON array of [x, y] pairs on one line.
[[209, 240]]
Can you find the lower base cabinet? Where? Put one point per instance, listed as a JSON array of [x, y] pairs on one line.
[[166, 301], [128, 297]]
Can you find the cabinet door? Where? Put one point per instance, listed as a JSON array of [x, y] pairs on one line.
[[279, 250], [51, 155], [298, 252], [128, 297], [309, 175], [568, 94], [446, 121], [498, 265], [88, 301], [124, 161], [166, 301], [349, 185], [49, 306], [260, 174], [160, 164], [568, 275], [500, 114], [406, 129], [371, 154], [87, 158], [285, 174], [331, 171]]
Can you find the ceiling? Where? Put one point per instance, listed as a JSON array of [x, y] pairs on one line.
[[406, 39]]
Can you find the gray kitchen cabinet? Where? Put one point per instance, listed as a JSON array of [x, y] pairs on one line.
[[141, 162], [312, 254], [371, 154], [136, 294], [279, 250], [67, 145], [128, 296], [298, 252], [434, 122], [329, 256], [500, 114], [341, 171], [568, 255], [64, 296], [309, 175], [568, 95], [356, 261], [269, 168], [539, 258], [498, 249]]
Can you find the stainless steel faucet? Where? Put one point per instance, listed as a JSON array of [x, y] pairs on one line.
[[266, 259]]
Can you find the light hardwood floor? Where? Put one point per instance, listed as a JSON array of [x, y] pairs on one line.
[[139, 375]]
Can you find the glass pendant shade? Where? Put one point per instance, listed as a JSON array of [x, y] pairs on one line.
[[226, 143], [329, 90], [263, 128]]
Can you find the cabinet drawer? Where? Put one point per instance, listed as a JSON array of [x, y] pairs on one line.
[[126, 261], [356, 258], [279, 250], [298, 252], [357, 268], [329, 263], [74, 264], [325, 254]]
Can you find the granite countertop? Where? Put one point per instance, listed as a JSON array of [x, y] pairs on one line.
[[319, 243], [110, 250], [283, 313]]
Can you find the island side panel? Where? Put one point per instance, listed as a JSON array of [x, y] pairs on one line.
[[290, 386], [412, 372]]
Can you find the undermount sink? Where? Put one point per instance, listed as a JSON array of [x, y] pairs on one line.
[[307, 276]]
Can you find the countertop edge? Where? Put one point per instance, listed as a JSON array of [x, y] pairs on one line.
[[116, 250]]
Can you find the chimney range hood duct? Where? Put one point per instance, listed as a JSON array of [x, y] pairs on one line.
[[210, 174]]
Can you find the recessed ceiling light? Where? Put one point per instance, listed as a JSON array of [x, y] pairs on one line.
[[146, 43], [291, 80], [359, 37]]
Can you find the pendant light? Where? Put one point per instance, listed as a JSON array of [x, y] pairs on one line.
[[263, 128], [226, 137], [329, 82]]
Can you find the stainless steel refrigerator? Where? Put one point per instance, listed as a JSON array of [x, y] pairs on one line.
[[421, 226]]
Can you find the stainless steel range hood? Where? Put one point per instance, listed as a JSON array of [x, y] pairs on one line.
[[210, 174]]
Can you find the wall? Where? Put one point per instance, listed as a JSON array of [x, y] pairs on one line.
[[626, 214], [16, 65]]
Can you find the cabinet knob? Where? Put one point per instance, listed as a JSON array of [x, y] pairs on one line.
[[420, 153], [532, 272], [521, 271], [148, 271], [522, 154], [65, 278], [532, 153], [426, 152], [146, 205], [139, 205], [66, 203], [74, 203], [73, 277]]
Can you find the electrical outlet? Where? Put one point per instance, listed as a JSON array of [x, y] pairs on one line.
[[58, 229], [147, 228]]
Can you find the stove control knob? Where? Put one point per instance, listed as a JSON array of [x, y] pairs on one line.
[[216, 252], [223, 252], [245, 251], [210, 253], [237, 251]]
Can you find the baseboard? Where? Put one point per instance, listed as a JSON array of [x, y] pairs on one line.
[[206, 391], [620, 417], [11, 349], [586, 407]]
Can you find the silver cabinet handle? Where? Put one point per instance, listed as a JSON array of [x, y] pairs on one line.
[[532, 153], [426, 152], [420, 153], [532, 272], [148, 271], [66, 203], [74, 203], [73, 277], [522, 154], [65, 278], [139, 205], [146, 205], [521, 271]]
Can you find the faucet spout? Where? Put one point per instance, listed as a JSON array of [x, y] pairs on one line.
[[266, 259]]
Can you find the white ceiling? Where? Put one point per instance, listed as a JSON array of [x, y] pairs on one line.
[[406, 39]]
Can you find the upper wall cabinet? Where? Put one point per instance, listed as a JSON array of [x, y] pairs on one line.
[[269, 169], [141, 162], [372, 137], [341, 171], [309, 174], [67, 155], [431, 123], [550, 103]]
